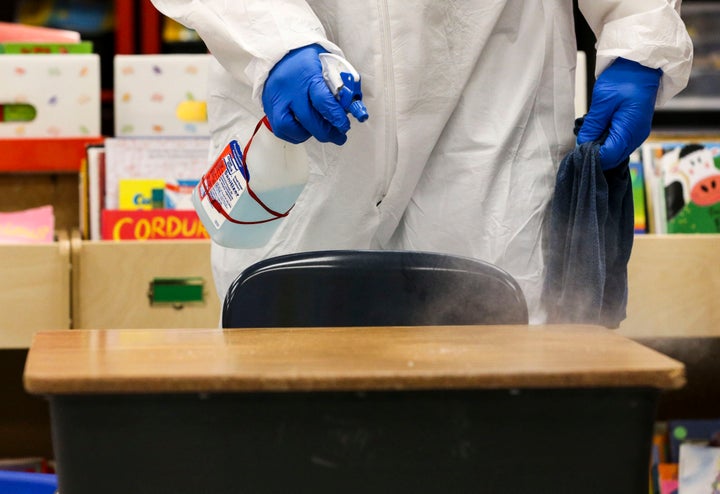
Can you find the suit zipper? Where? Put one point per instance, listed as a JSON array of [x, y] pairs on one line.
[[389, 89]]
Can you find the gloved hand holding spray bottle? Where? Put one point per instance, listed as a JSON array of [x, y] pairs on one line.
[[247, 191]]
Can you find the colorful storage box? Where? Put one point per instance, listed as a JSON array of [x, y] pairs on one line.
[[161, 95], [54, 95]]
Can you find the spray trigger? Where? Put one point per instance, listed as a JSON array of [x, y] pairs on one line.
[[344, 82]]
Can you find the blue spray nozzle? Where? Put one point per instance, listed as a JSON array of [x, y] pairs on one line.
[[350, 97], [344, 82], [358, 110]]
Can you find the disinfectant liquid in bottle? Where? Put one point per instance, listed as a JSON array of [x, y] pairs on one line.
[[247, 191]]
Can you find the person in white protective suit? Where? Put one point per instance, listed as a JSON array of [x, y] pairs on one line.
[[471, 111]]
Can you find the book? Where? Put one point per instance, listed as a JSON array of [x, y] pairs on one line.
[[670, 486], [45, 48], [178, 194], [95, 190], [660, 440], [638, 190], [654, 193], [682, 181], [139, 193], [10, 31], [699, 469], [654, 470], [83, 213], [681, 431], [668, 478], [157, 224], [179, 158], [691, 178], [35, 225]]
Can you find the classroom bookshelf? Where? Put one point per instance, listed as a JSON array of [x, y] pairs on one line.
[[43, 285]]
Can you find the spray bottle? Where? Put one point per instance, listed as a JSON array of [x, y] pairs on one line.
[[241, 205]]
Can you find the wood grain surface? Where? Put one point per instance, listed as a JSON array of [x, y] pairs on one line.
[[35, 290], [111, 282], [377, 358], [673, 283]]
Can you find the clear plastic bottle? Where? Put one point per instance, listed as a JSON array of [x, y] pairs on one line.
[[275, 184], [246, 192]]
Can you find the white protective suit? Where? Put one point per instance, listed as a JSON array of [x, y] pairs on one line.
[[471, 110]]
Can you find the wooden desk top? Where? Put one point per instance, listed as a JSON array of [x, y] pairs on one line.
[[378, 358]]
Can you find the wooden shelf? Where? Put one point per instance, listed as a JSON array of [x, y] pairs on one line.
[[32, 272], [674, 283], [44, 155]]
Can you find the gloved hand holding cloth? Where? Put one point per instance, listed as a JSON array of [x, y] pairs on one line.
[[589, 239], [621, 110]]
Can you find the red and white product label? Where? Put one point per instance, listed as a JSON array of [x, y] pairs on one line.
[[224, 183]]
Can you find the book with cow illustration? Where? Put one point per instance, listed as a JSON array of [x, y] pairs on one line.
[[683, 186]]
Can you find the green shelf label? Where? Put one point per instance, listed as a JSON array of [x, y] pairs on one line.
[[177, 290]]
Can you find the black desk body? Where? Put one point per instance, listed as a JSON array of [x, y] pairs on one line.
[[446, 441]]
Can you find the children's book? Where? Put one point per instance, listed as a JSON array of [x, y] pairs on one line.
[[139, 193], [179, 158], [669, 486], [638, 191], [35, 225], [10, 31], [158, 224], [668, 478], [683, 183], [681, 431], [660, 440], [29, 48], [96, 190], [178, 194], [699, 471], [654, 192]]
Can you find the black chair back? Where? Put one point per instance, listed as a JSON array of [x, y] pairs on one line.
[[372, 288]]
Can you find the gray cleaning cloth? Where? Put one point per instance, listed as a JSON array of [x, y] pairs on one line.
[[588, 241]]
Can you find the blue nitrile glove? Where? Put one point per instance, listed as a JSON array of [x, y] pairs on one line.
[[623, 103], [298, 102]]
